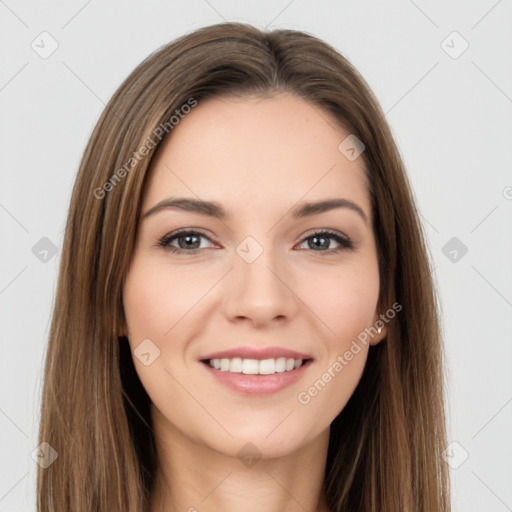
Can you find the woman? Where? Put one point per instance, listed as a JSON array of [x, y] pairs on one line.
[[245, 316]]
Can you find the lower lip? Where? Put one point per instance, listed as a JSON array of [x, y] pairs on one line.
[[258, 384]]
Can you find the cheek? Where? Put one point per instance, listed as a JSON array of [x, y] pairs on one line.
[[344, 299], [347, 307], [157, 296], [164, 303], [143, 304], [159, 304]]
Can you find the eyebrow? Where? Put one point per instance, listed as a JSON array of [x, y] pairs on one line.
[[214, 209]]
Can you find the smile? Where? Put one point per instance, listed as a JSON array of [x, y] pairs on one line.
[[253, 377], [255, 366]]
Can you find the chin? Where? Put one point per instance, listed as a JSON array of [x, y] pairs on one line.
[[251, 442]]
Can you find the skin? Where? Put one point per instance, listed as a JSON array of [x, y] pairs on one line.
[[258, 157]]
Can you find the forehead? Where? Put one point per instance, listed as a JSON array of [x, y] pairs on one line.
[[251, 151]]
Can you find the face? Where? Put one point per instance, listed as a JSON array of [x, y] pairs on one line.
[[252, 284]]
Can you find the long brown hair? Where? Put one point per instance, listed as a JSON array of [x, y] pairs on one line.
[[385, 447]]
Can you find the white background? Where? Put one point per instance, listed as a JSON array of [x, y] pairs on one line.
[[451, 118]]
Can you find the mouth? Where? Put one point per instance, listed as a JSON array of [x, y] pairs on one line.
[[250, 366], [249, 376], [256, 371]]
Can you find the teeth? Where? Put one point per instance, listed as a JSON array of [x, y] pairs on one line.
[[255, 366]]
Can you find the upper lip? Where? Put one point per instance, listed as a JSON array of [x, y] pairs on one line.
[[256, 353]]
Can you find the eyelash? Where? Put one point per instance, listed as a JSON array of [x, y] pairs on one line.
[[345, 242]]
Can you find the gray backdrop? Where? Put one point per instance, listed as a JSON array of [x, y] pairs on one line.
[[443, 74]]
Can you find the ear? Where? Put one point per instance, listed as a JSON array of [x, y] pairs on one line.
[[378, 325]]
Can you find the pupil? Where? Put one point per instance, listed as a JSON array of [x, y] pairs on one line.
[[188, 239], [316, 238]]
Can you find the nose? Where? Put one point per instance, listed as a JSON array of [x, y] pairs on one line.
[[260, 292]]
